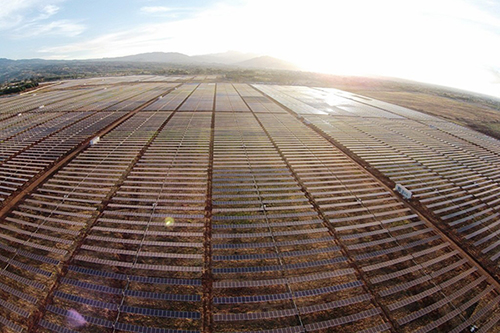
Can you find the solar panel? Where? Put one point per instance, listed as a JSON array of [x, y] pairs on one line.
[[257, 269], [14, 308], [255, 315], [55, 328], [88, 319], [136, 278], [275, 255], [343, 320], [252, 299], [87, 301], [267, 225], [143, 329], [160, 313], [271, 244], [269, 234], [329, 289], [294, 329], [27, 267], [34, 245], [335, 304]]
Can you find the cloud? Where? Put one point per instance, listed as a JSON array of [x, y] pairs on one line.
[[469, 12], [47, 12], [125, 42], [495, 74], [32, 18], [167, 12], [15, 13], [60, 28], [155, 9]]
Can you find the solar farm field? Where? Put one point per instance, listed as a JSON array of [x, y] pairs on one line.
[[216, 207]]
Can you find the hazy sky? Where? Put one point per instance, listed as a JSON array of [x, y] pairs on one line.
[[450, 42]]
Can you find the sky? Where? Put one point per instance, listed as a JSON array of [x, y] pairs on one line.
[[453, 43]]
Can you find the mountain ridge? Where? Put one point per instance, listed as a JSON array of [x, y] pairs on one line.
[[233, 59], [267, 62]]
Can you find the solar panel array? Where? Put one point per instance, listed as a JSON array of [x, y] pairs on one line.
[[228, 99], [450, 169], [273, 258], [173, 100], [402, 258], [51, 222], [202, 99], [140, 233], [33, 151], [214, 209], [33, 102]]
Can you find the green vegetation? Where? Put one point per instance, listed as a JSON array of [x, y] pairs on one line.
[[16, 87]]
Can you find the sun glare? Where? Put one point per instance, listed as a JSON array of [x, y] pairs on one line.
[[424, 41]]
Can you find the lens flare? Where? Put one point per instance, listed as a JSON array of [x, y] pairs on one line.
[[169, 221], [74, 319]]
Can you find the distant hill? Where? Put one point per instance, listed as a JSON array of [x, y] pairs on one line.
[[230, 58], [165, 57], [144, 63], [267, 62], [226, 58]]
